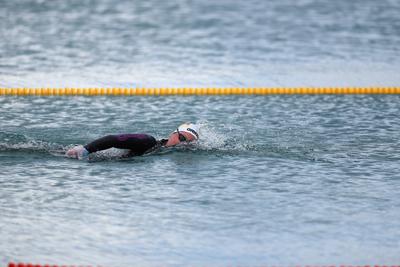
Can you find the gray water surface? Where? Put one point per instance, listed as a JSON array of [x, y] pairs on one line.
[[273, 180], [199, 43]]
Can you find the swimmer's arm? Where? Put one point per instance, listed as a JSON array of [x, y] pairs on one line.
[[107, 142], [102, 143]]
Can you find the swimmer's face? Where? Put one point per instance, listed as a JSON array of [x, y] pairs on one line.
[[181, 137]]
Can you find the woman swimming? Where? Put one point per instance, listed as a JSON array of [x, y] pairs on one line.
[[138, 144]]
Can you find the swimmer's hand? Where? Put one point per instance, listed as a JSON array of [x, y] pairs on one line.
[[78, 152]]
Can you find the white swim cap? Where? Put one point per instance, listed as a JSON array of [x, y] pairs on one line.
[[191, 128]]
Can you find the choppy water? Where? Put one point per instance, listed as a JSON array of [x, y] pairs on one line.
[[199, 43], [274, 180]]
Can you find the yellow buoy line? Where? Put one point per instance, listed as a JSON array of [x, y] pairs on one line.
[[196, 91]]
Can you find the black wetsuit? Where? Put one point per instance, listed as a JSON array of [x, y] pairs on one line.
[[138, 144]]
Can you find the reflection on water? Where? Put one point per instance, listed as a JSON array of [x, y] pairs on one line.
[[273, 179], [199, 43], [283, 180]]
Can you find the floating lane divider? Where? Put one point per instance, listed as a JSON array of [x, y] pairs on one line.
[[198, 91]]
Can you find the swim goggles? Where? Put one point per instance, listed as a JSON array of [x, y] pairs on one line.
[[181, 137]]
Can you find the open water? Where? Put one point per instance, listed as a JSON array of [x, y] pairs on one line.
[[273, 180], [199, 43]]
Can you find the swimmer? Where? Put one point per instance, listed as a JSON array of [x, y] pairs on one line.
[[138, 144]]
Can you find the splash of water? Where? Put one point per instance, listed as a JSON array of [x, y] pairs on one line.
[[10, 142], [224, 139], [213, 140]]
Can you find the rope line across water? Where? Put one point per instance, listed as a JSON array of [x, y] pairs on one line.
[[197, 91]]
